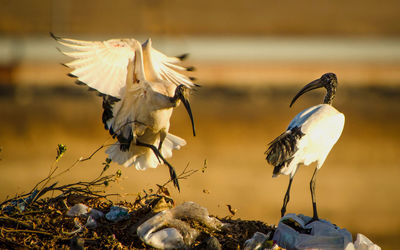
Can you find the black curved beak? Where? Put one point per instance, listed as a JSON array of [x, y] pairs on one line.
[[312, 85], [188, 109]]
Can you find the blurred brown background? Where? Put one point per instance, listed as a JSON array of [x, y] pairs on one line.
[[252, 57]]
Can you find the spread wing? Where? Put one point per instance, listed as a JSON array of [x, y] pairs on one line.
[[100, 65], [159, 66]]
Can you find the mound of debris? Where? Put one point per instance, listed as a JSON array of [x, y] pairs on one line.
[[80, 217]]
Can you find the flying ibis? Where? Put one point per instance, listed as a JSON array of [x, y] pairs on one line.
[[140, 87], [309, 137]]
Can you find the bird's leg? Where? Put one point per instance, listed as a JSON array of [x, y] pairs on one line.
[[314, 202], [287, 197], [163, 134], [172, 172]]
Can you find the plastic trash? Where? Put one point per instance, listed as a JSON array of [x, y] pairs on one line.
[[95, 214], [91, 222], [78, 210], [179, 234], [257, 241], [293, 232], [117, 214], [363, 243], [82, 209], [21, 204]]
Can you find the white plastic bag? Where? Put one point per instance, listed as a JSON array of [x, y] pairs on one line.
[[293, 233]]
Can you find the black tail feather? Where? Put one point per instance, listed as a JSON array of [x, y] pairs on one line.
[[281, 150]]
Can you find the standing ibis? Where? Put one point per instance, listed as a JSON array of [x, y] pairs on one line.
[[309, 137], [140, 87]]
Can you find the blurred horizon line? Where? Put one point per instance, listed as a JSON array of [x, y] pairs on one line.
[[225, 48], [226, 60]]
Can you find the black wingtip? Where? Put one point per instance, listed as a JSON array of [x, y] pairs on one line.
[[54, 36], [183, 56], [72, 75], [191, 68], [191, 78], [63, 64], [80, 83], [197, 85], [59, 50]]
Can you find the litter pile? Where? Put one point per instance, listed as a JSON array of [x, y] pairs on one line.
[[81, 218], [82, 215]]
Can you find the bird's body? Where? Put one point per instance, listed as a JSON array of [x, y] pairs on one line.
[[140, 87], [309, 137], [321, 126], [151, 121]]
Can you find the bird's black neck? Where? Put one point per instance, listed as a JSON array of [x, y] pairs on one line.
[[330, 95]]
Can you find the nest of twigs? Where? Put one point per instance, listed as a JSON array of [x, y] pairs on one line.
[[38, 219]]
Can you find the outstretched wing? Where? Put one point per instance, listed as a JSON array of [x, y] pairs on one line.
[[100, 65], [159, 66]]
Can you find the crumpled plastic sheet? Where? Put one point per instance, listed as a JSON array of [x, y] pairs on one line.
[[257, 241], [363, 243], [293, 232], [21, 204], [91, 213], [178, 233], [78, 210], [117, 213]]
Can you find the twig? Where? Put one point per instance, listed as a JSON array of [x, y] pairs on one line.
[[183, 175], [24, 231], [11, 243], [6, 218], [82, 159]]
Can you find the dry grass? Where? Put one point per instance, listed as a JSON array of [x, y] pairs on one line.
[[357, 188]]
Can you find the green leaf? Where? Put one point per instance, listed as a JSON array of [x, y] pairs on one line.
[[118, 173], [61, 148]]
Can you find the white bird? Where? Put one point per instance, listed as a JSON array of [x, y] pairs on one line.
[[140, 87], [309, 137]]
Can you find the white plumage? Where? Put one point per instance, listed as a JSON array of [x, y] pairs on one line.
[[309, 137], [322, 126], [140, 87]]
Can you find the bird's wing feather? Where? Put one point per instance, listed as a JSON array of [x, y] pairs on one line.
[[100, 65], [281, 150], [159, 66]]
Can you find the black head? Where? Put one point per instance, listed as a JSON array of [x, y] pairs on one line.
[[327, 80]]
